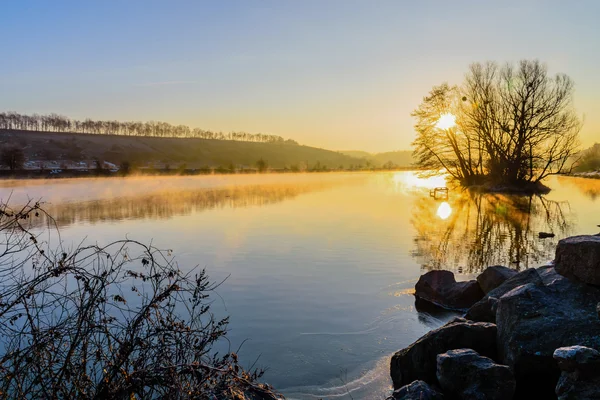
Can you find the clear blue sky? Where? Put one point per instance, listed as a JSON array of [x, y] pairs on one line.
[[339, 74]]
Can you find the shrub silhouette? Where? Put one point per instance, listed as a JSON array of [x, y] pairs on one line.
[[119, 321]]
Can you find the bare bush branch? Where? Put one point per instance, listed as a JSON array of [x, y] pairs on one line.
[[119, 321]]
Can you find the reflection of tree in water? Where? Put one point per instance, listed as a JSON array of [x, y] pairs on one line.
[[488, 229], [167, 204]]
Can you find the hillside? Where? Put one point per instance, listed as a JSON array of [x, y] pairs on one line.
[[589, 159], [146, 151], [401, 158]]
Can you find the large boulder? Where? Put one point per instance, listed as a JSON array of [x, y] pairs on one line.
[[464, 374], [418, 390], [580, 377], [492, 277], [485, 309], [535, 319], [579, 257], [418, 361], [441, 289]]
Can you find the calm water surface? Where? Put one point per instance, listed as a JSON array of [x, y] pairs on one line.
[[320, 267]]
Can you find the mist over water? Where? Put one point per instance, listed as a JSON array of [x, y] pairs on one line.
[[320, 267]]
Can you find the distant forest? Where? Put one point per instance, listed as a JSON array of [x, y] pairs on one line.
[[589, 159], [58, 123]]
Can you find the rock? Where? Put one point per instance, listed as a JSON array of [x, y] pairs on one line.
[[492, 277], [572, 358], [535, 319], [485, 309], [544, 235], [418, 361], [429, 314], [579, 257], [418, 390], [580, 377], [549, 275], [464, 374], [441, 289]]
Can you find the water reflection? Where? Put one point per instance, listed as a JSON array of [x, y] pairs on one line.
[[169, 203], [471, 231], [587, 186], [444, 210], [411, 181]]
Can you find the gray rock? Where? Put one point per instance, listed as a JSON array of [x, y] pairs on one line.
[[485, 309], [492, 277], [579, 358], [464, 374], [418, 361], [580, 377], [535, 319], [549, 275], [418, 390], [579, 257], [440, 288]]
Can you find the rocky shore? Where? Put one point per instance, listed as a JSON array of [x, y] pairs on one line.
[[533, 334]]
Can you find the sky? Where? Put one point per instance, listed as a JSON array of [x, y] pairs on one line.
[[337, 74]]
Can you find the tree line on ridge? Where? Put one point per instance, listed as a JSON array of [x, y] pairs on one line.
[[58, 123]]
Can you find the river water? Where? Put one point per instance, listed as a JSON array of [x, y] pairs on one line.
[[319, 268]]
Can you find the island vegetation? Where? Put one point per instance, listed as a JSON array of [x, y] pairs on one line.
[[504, 128]]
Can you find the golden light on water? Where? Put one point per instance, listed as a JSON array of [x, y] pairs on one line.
[[446, 121], [411, 180], [444, 210]]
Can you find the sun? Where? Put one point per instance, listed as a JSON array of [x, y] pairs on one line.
[[446, 121], [444, 210]]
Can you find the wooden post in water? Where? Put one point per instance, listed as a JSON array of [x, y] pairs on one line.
[[439, 193]]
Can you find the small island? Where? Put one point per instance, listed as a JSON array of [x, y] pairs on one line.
[[504, 129]]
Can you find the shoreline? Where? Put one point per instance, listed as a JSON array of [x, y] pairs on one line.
[[586, 175], [74, 174]]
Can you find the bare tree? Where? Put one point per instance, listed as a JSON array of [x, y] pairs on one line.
[[13, 157], [118, 321], [443, 149], [262, 165], [58, 123], [514, 125]]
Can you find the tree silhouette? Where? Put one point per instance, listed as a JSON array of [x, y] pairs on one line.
[[262, 165], [119, 321], [13, 157], [514, 125], [58, 123]]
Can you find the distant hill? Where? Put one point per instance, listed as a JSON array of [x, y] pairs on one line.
[[195, 153], [401, 158], [589, 159]]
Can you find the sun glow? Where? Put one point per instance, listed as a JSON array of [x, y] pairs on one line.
[[444, 210], [446, 121], [411, 180]]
